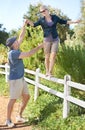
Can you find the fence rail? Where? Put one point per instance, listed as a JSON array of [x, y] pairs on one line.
[[67, 83]]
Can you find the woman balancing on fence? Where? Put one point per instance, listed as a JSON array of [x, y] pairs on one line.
[[18, 86], [51, 39]]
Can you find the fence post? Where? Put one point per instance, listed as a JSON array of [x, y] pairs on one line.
[[6, 71], [36, 93], [67, 89]]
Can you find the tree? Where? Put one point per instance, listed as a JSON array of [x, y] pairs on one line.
[[3, 34], [80, 29]]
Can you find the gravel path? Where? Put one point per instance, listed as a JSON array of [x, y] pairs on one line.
[[3, 108]]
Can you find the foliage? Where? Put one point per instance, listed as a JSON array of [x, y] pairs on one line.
[[80, 29], [72, 60], [3, 86], [29, 43], [3, 34], [32, 13], [3, 54], [14, 33]]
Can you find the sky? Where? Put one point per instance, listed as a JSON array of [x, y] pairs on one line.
[[12, 11]]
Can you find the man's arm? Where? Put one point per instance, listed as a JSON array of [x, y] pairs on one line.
[[31, 52], [22, 34]]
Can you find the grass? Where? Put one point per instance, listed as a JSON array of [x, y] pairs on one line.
[[46, 112]]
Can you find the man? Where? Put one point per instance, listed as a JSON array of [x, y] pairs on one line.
[[18, 86]]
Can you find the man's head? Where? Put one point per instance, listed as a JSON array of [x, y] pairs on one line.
[[10, 41]]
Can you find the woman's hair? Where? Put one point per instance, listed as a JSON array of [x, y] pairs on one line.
[[43, 7]]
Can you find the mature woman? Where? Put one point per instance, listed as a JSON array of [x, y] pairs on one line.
[[51, 39]]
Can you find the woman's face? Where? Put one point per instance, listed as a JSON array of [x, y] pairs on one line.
[[44, 11]]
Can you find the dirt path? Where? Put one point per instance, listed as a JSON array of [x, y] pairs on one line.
[[3, 106]]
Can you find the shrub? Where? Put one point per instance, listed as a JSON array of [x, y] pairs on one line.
[[3, 54], [72, 60]]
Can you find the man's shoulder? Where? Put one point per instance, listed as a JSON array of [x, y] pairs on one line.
[[14, 52]]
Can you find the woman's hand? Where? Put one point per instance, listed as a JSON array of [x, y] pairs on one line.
[[30, 22], [73, 22]]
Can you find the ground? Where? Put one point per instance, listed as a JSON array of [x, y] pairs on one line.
[[3, 106]]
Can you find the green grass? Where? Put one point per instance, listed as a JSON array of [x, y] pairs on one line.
[[46, 112]]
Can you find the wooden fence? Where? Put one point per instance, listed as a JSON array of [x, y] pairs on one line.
[[67, 83]]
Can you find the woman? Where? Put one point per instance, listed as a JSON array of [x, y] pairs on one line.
[[51, 40]]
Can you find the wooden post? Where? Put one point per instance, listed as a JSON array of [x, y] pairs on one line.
[[66, 106], [36, 93], [6, 71]]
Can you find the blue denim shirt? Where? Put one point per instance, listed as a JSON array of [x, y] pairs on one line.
[[16, 65], [50, 29]]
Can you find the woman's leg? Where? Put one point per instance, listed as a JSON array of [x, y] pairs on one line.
[[52, 62], [47, 47], [47, 57], [54, 50]]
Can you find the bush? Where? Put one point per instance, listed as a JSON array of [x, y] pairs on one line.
[[3, 54], [33, 39], [72, 61]]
